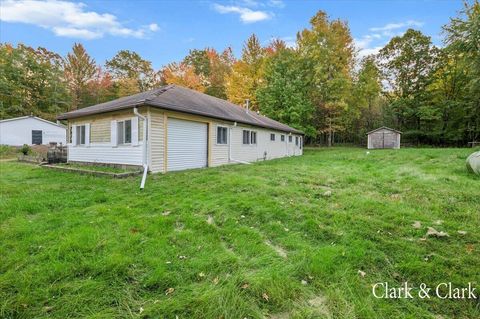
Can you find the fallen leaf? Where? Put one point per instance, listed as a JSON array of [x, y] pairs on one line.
[[433, 232], [327, 194], [265, 296], [438, 222], [166, 213], [470, 248], [417, 224], [304, 282], [245, 286], [182, 257], [169, 291], [210, 220], [362, 273], [395, 196], [462, 232], [140, 310], [215, 280], [47, 308], [134, 230], [201, 275]]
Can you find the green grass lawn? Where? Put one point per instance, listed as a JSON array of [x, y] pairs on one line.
[[242, 241]]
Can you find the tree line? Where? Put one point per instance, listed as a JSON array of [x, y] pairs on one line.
[[320, 85]]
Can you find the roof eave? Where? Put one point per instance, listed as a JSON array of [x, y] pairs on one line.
[[66, 116]]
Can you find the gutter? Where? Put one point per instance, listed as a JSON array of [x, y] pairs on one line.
[[145, 145]]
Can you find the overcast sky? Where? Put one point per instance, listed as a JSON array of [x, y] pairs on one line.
[[164, 31]]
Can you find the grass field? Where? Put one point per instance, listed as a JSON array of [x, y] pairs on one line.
[[278, 239]]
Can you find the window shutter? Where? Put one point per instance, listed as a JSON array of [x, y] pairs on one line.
[[74, 135], [87, 134], [134, 130], [113, 133]]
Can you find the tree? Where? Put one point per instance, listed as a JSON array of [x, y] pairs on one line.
[[79, 69], [184, 75], [328, 48], [127, 67], [463, 41], [246, 75], [366, 101], [31, 82], [284, 97], [407, 63]]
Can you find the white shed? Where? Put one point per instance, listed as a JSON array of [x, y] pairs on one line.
[[30, 130], [384, 137]]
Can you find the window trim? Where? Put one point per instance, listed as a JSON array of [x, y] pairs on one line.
[[78, 135], [226, 135], [247, 135], [290, 139], [124, 132], [252, 134]]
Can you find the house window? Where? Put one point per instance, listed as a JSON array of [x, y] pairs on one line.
[[249, 137], [70, 132], [301, 142], [124, 132], [80, 135], [290, 139], [272, 137], [282, 138], [246, 137], [222, 135], [253, 139], [296, 140]]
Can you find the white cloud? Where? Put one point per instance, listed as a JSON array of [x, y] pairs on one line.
[[400, 25], [246, 15], [276, 3], [153, 27], [373, 42], [68, 19]]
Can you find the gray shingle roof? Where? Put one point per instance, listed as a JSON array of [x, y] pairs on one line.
[[180, 99], [382, 128]]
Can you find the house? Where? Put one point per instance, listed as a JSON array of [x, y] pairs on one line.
[[173, 128], [384, 137], [30, 130]]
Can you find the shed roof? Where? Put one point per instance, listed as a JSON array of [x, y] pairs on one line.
[[384, 128], [31, 117], [180, 99]]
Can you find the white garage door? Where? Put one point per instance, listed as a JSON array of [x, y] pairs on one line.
[[187, 145]]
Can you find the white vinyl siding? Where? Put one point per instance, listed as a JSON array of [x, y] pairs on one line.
[[186, 145]]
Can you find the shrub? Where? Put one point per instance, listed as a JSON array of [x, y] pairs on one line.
[[25, 149]]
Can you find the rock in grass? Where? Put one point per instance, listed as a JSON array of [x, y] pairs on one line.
[[417, 224], [473, 163], [433, 232]]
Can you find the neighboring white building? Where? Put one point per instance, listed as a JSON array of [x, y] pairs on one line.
[[30, 130], [183, 129]]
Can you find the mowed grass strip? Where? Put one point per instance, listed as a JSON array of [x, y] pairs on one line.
[[281, 239]]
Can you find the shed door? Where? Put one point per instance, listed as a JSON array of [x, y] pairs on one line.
[[389, 140], [187, 144], [37, 137]]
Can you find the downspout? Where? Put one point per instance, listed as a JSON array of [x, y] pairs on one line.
[[145, 145], [230, 159]]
